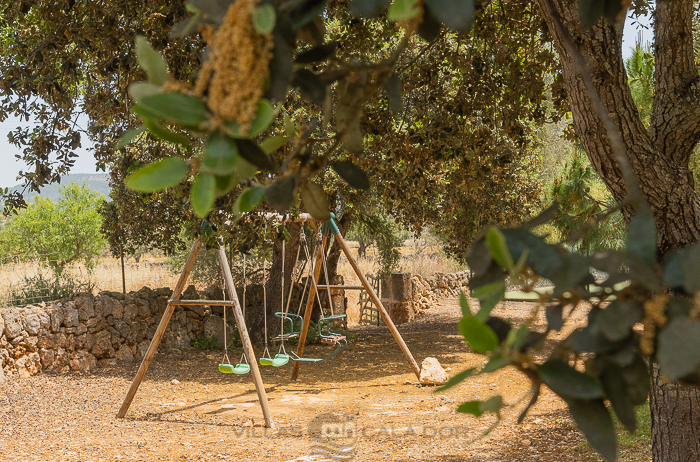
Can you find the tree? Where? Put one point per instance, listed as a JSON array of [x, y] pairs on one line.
[[658, 155], [57, 233]]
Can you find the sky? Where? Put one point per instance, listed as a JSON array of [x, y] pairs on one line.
[[85, 163]]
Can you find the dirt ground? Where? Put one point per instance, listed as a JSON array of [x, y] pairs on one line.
[[372, 406]]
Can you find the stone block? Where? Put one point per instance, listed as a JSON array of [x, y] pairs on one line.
[[125, 355], [13, 323], [130, 312], [47, 358], [57, 317], [432, 373], [214, 325], [82, 361], [71, 315], [85, 304], [400, 312], [103, 345]]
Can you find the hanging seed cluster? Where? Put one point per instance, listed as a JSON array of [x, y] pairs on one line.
[[237, 69]]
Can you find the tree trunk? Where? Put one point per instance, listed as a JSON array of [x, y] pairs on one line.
[[659, 157], [674, 423], [273, 287]]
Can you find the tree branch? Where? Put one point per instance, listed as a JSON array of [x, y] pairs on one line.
[[675, 120]]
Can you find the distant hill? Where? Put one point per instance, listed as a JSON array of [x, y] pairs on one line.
[[96, 182]]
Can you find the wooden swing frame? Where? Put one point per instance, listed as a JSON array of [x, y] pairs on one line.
[[240, 320]]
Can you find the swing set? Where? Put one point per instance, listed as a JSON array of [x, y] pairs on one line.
[[287, 320]]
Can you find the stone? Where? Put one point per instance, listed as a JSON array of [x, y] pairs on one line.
[[214, 325], [3, 380], [85, 305], [44, 319], [71, 313], [144, 310], [108, 305], [164, 292], [125, 355], [81, 329], [82, 361], [103, 345], [432, 373], [28, 365], [191, 293], [61, 359], [47, 357], [400, 312], [122, 328], [143, 348], [107, 362], [2, 326], [57, 317], [13, 323], [130, 312]]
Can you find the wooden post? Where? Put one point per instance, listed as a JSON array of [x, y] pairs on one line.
[[161, 329], [385, 316], [121, 251], [309, 307], [245, 339]]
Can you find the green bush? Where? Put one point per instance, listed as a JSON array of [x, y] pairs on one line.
[[206, 343]]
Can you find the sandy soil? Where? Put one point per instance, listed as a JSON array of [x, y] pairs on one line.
[[185, 410]]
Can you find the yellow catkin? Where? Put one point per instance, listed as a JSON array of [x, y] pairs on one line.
[[654, 316], [237, 68]]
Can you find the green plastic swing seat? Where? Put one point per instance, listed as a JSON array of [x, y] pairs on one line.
[[279, 360], [240, 369]]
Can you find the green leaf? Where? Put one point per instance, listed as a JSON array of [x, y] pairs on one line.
[[368, 8], [457, 378], [573, 270], [224, 184], [690, 264], [290, 130], [429, 28], [319, 53], [458, 15], [310, 85], [489, 296], [617, 319], [517, 337], [554, 316], [641, 236], [165, 134], [220, 154], [202, 194], [392, 86], [478, 408], [264, 18], [151, 61], [129, 135], [478, 335], [315, 201], [264, 115], [496, 243], [593, 418], [273, 143], [401, 10], [567, 382], [252, 153], [679, 347], [186, 110], [249, 199], [352, 174], [616, 392], [464, 304], [139, 90], [280, 194], [496, 362], [159, 175], [471, 407]]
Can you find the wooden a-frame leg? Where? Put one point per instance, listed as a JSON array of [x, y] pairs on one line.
[[161, 329], [385, 316], [245, 339], [309, 308]]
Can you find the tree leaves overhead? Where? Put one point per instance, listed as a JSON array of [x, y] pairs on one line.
[[315, 201], [280, 194]]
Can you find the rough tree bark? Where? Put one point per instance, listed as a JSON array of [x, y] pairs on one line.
[[274, 283], [659, 157]]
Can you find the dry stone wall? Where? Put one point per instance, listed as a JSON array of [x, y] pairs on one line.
[[428, 291], [87, 331]]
